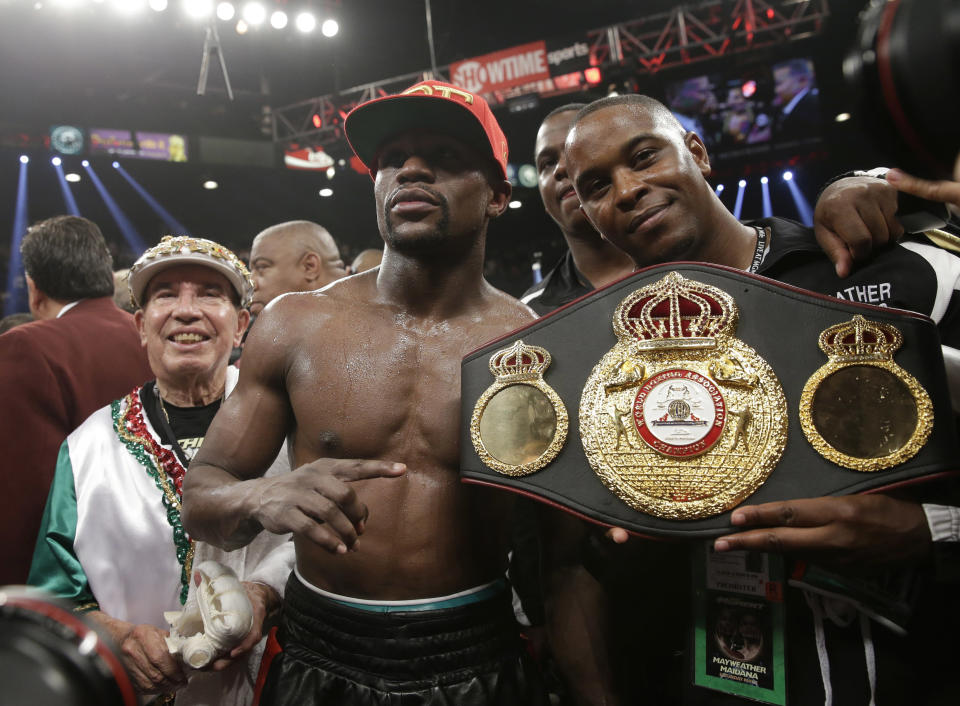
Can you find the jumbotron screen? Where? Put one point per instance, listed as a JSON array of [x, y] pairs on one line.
[[750, 111]]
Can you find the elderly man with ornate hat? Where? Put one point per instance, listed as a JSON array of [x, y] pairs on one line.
[[111, 538]]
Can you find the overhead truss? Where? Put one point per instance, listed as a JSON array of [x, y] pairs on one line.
[[681, 36]]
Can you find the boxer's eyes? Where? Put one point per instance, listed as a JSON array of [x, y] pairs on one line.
[[392, 159], [643, 157]]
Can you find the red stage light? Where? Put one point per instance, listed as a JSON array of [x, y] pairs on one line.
[[748, 88], [770, 13], [317, 120], [593, 75]]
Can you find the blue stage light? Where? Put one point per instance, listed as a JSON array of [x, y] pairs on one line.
[[68, 199], [172, 223], [738, 206], [127, 228], [16, 300], [765, 191]]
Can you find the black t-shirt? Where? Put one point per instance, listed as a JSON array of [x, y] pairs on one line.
[[188, 424], [896, 276], [561, 285]]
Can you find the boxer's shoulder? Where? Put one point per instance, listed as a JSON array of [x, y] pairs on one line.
[[508, 310]]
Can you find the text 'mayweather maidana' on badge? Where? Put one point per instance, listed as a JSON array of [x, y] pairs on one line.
[[682, 420], [519, 424], [861, 410]]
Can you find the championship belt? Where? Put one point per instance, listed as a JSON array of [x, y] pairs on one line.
[[664, 401]]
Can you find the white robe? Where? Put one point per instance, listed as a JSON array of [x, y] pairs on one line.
[[125, 546]]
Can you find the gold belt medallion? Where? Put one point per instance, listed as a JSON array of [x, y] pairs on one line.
[[861, 410], [519, 424], [681, 419]]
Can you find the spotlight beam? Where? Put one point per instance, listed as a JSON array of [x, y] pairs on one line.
[[172, 223], [123, 223], [803, 206], [16, 283], [767, 205], [738, 206], [68, 199]]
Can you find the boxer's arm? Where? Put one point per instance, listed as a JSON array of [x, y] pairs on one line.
[[242, 441], [226, 501], [576, 610]]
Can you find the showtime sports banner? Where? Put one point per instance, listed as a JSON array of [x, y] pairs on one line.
[[502, 69], [526, 64]]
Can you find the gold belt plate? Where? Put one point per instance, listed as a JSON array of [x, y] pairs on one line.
[[861, 410], [682, 420], [519, 424]]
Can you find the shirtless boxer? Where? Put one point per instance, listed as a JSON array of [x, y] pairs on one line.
[[369, 369]]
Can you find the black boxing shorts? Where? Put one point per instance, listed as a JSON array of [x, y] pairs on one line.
[[463, 650]]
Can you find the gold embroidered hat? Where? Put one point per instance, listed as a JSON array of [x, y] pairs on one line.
[[174, 250]]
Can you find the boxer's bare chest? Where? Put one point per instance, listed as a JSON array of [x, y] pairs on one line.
[[387, 386]]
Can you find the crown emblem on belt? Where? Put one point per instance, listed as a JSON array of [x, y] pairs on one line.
[[676, 312], [520, 362], [860, 340]]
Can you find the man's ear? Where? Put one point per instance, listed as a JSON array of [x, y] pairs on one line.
[[243, 321], [311, 265], [500, 199], [699, 152], [138, 320], [36, 299]]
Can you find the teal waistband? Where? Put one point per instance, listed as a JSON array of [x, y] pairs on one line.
[[494, 589]]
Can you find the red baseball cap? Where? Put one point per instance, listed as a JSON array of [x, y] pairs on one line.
[[430, 105]]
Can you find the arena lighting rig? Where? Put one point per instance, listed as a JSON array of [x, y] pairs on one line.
[[253, 15], [249, 15], [688, 33]]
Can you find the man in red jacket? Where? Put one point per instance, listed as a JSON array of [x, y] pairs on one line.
[[79, 353]]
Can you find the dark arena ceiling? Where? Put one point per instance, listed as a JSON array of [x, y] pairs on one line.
[[85, 63]]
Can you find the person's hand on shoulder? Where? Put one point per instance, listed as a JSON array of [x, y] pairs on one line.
[[853, 216]]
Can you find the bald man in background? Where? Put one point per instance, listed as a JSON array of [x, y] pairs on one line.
[[366, 260], [297, 256]]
